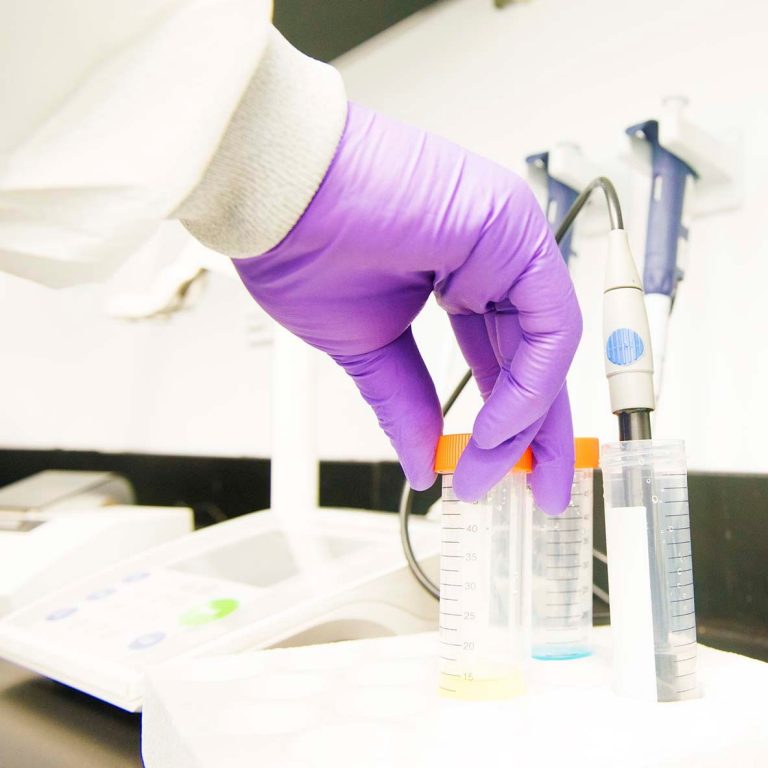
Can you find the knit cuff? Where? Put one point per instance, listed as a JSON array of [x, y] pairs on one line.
[[273, 156]]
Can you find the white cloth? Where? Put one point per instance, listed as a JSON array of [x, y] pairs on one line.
[[112, 112], [374, 703]]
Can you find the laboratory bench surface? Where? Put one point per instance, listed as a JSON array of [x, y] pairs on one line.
[[47, 725], [44, 724]]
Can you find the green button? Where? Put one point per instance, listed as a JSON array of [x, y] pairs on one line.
[[216, 609]]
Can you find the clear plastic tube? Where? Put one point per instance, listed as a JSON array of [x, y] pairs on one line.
[[650, 569], [485, 591], [562, 576]]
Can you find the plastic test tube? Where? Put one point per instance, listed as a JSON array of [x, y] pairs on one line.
[[650, 569], [484, 583], [562, 567]]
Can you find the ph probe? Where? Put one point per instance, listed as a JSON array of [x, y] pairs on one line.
[[626, 336]]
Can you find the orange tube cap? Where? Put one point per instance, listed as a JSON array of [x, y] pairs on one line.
[[450, 448]]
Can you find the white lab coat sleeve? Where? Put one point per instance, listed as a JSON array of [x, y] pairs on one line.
[[273, 157], [86, 181]]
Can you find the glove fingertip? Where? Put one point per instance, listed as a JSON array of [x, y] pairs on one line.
[[420, 480], [416, 448], [466, 488], [551, 485], [485, 436]]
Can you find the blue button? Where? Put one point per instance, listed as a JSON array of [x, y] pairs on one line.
[[60, 614], [624, 346], [146, 641], [100, 594], [138, 576]]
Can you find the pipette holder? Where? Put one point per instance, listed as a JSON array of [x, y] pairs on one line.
[[564, 172], [717, 161], [650, 569]]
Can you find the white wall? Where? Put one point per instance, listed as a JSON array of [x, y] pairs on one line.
[[505, 83], [195, 383], [508, 83]]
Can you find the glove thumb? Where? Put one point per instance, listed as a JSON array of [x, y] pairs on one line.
[[395, 382]]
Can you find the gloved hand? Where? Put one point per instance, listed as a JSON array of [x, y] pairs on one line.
[[400, 214]]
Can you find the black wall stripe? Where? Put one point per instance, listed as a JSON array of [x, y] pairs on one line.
[[324, 29], [728, 518]]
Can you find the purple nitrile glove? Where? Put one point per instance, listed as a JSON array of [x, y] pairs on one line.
[[400, 214]]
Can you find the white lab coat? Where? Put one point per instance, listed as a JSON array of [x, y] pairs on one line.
[[110, 112]]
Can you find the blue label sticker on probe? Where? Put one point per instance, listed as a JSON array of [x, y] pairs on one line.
[[624, 346]]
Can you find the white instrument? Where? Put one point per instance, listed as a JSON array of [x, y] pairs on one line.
[[257, 581]]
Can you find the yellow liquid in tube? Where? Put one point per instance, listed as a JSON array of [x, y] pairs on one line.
[[463, 688]]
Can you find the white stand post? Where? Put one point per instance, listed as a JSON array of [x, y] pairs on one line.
[[295, 467]]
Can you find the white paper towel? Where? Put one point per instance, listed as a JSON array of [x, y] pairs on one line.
[[374, 703]]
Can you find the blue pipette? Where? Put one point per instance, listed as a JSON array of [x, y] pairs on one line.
[[560, 197], [666, 234]]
